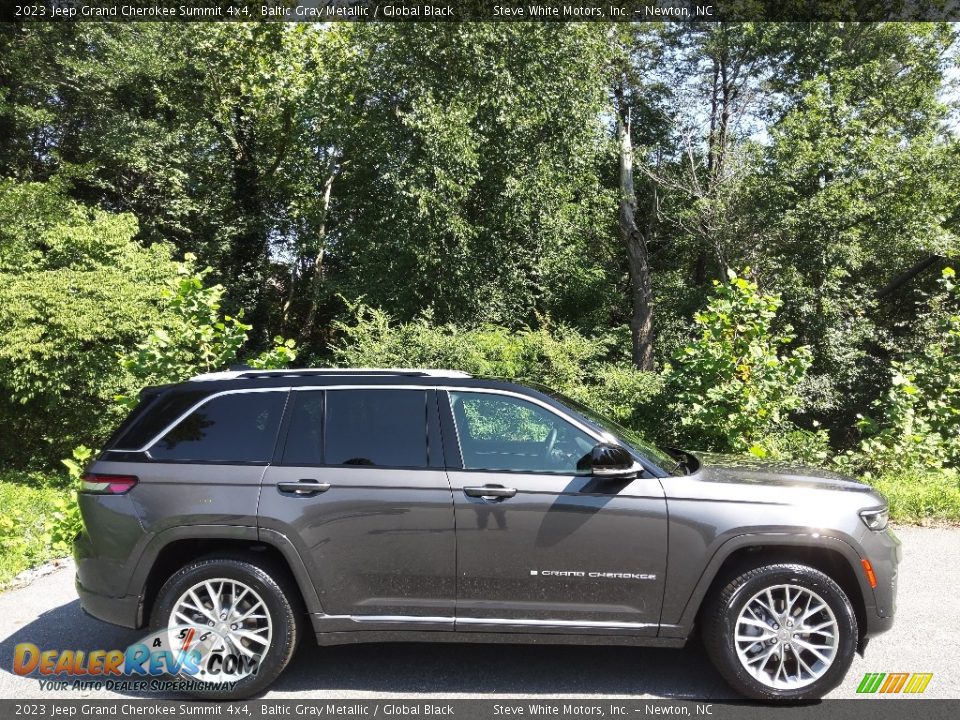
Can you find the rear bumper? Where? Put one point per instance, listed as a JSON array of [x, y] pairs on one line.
[[100, 586], [124, 611]]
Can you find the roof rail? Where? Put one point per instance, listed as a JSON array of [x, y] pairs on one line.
[[308, 372]]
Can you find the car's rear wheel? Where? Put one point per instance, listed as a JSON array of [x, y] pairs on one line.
[[781, 632], [238, 618]]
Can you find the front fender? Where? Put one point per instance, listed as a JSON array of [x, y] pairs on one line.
[[679, 618]]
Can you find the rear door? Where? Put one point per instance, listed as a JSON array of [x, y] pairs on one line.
[[541, 548], [358, 486]]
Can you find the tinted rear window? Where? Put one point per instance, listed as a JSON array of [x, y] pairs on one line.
[[159, 416], [376, 427], [240, 427]]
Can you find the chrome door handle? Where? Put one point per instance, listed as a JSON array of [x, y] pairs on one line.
[[490, 492], [303, 488]]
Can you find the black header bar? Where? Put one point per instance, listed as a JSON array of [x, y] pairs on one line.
[[480, 10]]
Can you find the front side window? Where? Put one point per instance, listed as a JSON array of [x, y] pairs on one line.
[[239, 427], [386, 428], [501, 432]]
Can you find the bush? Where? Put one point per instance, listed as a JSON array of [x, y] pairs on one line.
[[74, 288], [629, 396], [734, 386], [195, 338], [76, 291], [65, 519], [27, 504], [918, 427], [554, 355], [808, 447]]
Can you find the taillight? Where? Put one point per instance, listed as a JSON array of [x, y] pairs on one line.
[[107, 484]]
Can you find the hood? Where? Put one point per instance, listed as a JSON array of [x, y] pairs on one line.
[[753, 471]]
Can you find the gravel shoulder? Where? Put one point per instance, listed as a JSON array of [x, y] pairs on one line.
[[925, 638]]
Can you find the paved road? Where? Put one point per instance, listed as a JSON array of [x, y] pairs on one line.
[[926, 638]]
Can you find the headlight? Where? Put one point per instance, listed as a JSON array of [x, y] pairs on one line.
[[875, 519]]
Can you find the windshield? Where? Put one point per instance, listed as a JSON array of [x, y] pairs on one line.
[[631, 437]]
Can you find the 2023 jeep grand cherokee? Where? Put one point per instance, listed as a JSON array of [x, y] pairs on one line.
[[384, 505]]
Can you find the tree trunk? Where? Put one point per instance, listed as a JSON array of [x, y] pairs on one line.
[[722, 92], [713, 161], [641, 289], [908, 275], [316, 277]]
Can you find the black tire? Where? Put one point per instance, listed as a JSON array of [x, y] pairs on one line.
[[724, 607], [278, 593]]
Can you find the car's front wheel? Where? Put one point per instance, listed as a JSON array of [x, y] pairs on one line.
[[234, 622], [781, 632]]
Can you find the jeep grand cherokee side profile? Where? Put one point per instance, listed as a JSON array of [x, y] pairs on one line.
[[252, 507]]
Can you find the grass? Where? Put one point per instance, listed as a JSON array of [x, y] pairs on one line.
[[27, 505], [920, 498]]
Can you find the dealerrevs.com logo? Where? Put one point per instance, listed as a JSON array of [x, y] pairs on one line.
[[894, 683], [180, 658]]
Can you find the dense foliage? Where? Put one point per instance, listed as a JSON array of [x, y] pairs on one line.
[[735, 385], [918, 421], [572, 204], [198, 338], [75, 288], [557, 356]]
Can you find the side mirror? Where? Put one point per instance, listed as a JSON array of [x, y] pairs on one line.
[[609, 461]]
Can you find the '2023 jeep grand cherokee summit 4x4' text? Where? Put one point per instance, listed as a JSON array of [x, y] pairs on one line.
[[384, 505]]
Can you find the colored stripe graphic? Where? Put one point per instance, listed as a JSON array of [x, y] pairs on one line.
[[918, 682], [871, 682], [893, 683]]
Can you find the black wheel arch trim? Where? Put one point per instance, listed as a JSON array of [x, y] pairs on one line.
[[258, 536], [815, 541]]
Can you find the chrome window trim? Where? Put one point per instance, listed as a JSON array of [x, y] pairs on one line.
[[200, 403], [604, 437]]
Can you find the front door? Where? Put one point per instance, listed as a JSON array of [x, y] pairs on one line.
[[359, 487], [541, 548]]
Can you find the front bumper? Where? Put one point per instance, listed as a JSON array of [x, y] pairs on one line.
[[884, 551]]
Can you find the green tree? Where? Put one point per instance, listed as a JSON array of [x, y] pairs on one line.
[[918, 420], [469, 180], [735, 385], [195, 338], [198, 130], [75, 288], [855, 186]]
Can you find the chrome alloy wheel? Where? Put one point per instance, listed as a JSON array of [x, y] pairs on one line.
[[786, 637], [232, 629]]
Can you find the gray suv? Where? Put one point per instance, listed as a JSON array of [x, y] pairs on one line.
[[239, 510]]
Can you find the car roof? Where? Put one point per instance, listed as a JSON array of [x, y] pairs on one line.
[[248, 373], [320, 377]]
